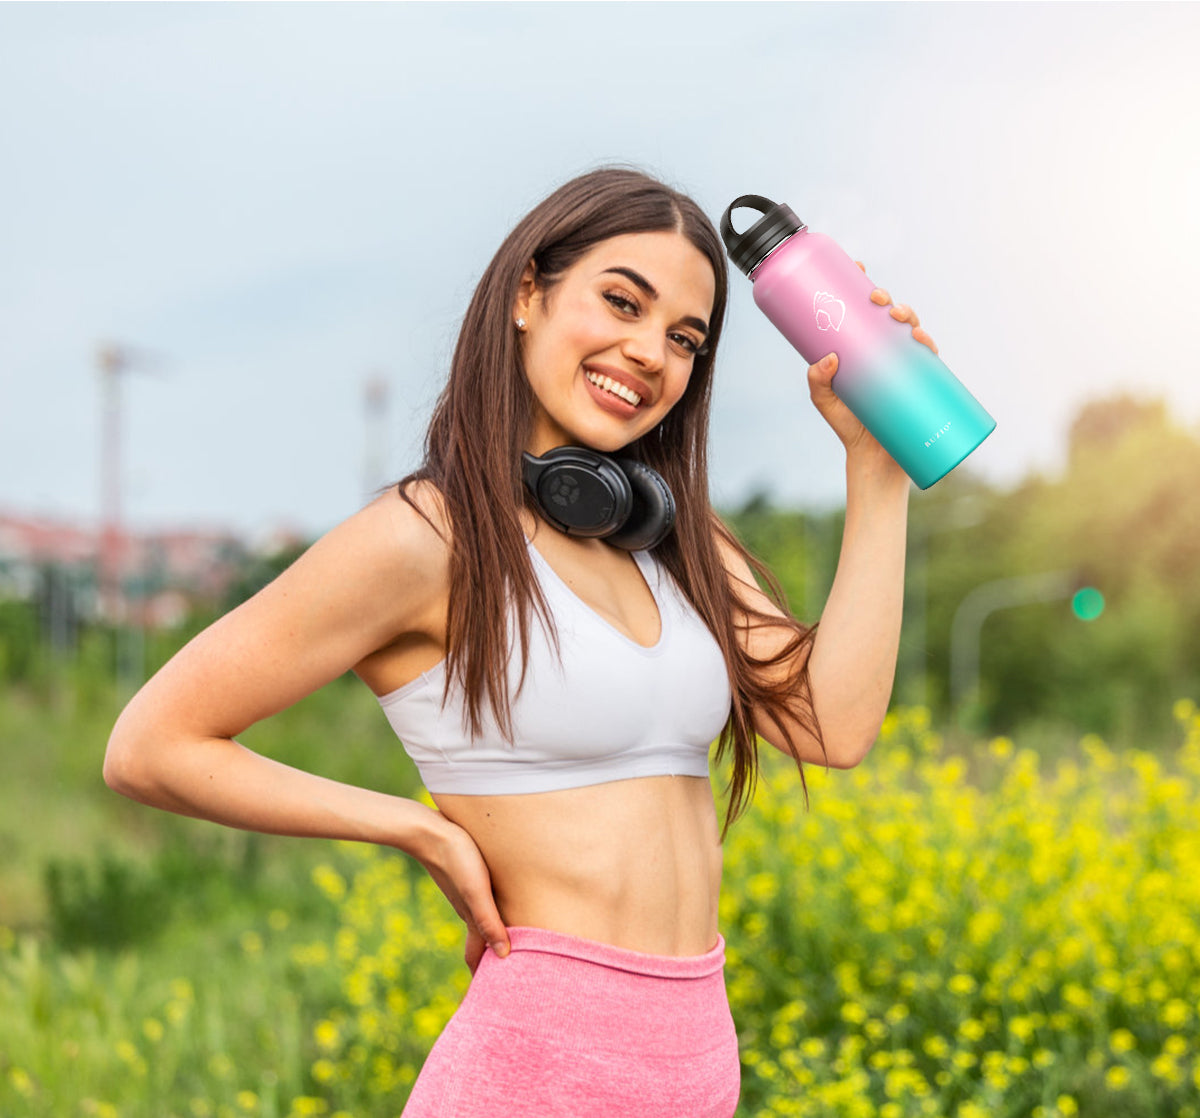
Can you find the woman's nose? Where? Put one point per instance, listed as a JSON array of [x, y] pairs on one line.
[[646, 348]]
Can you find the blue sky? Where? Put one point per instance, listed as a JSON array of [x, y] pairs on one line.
[[276, 202]]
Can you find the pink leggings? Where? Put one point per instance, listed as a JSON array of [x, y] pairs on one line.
[[566, 1026]]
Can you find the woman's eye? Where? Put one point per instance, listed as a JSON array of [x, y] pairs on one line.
[[687, 343], [684, 343], [624, 305]]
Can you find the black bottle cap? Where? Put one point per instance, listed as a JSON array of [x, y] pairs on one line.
[[747, 250]]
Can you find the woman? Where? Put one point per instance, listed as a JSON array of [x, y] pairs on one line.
[[559, 694]]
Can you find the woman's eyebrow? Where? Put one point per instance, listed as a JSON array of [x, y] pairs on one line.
[[640, 280]]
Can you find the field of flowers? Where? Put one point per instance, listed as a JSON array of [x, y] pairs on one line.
[[961, 934], [917, 946]]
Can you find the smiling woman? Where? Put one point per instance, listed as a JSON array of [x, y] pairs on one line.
[[559, 690], [609, 337]]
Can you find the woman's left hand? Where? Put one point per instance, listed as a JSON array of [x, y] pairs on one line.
[[846, 425]]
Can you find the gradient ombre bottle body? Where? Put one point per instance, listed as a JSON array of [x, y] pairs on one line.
[[820, 300]]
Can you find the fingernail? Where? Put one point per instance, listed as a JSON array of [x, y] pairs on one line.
[[500, 950], [828, 361]]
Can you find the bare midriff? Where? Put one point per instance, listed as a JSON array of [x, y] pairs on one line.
[[632, 863]]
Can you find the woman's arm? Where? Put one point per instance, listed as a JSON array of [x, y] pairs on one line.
[[852, 664], [852, 659], [376, 578]]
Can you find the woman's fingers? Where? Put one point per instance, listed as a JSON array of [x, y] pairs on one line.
[[922, 336], [474, 949], [902, 312], [458, 869], [485, 920], [820, 375], [835, 413]]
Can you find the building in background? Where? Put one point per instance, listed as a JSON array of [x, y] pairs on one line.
[[163, 575]]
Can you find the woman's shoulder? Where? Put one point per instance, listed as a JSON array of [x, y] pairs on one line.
[[393, 551], [401, 532]]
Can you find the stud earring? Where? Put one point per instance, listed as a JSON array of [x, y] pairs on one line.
[[521, 325]]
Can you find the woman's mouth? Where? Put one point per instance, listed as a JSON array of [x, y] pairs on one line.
[[613, 387]]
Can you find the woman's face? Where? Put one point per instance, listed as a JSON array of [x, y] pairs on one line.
[[609, 348]]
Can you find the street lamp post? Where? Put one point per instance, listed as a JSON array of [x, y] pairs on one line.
[[979, 604], [965, 512]]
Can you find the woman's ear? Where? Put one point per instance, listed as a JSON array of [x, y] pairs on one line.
[[527, 291]]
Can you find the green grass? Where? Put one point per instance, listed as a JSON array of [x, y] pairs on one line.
[[56, 809], [148, 962]]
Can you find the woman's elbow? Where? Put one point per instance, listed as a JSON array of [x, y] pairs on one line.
[[125, 767], [849, 751], [120, 768]]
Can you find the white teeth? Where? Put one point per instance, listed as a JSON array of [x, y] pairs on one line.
[[616, 388]]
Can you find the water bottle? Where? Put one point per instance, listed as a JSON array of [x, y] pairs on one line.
[[820, 301]]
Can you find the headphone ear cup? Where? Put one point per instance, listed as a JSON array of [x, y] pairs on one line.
[[652, 516], [580, 492]]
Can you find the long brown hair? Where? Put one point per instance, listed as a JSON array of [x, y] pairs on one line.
[[482, 422]]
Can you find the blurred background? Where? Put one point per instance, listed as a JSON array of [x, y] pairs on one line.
[[237, 241]]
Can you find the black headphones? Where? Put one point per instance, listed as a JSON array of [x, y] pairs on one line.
[[585, 493]]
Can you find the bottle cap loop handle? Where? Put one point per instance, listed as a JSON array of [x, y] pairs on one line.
[[747, 250]]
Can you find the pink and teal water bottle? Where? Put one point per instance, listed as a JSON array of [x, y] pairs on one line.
[[821, 302]]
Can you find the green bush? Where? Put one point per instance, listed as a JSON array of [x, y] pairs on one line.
[[109, 903]]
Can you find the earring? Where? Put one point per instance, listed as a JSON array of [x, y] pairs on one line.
[[521, 325]]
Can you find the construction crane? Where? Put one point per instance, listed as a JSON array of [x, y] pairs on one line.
[[114, 361]]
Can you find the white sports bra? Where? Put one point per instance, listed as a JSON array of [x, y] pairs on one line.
[[610, 709]]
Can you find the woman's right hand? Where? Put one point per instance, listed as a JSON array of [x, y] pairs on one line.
[[457, 867]]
